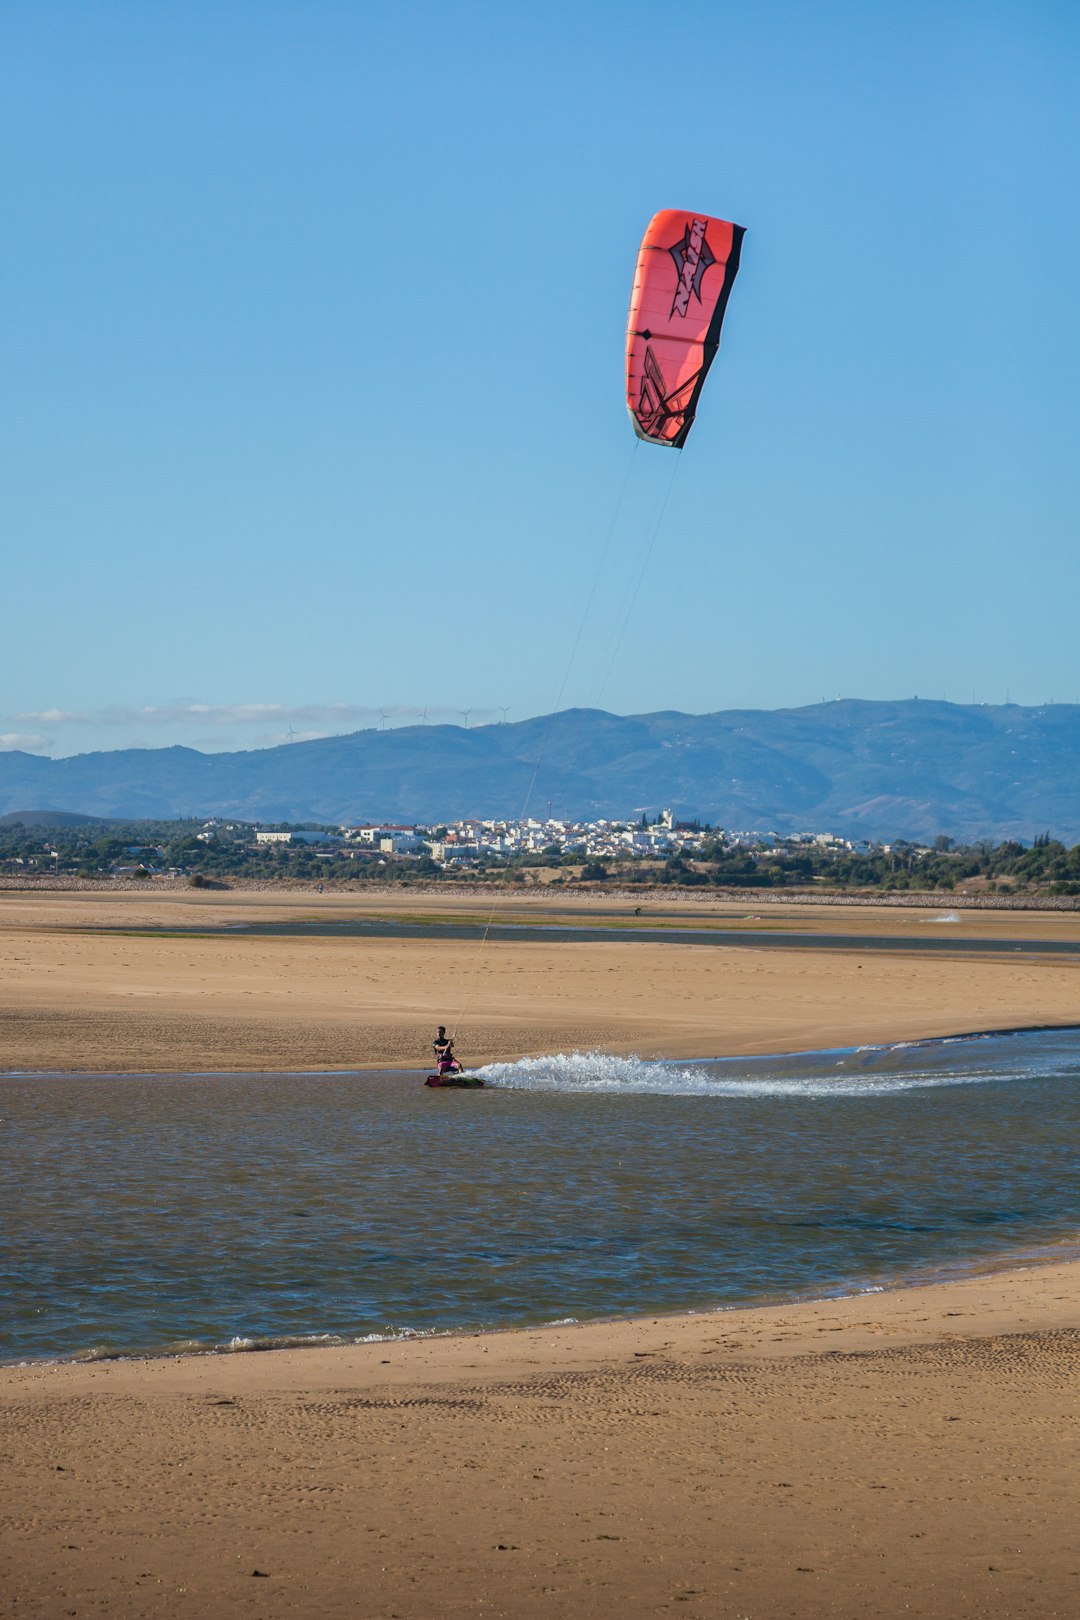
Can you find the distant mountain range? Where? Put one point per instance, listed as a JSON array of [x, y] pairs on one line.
[[912, 769]]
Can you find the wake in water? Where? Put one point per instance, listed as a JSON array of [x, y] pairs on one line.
[[870, 1071]]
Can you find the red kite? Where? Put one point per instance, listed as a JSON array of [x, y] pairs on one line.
[[685, 270]]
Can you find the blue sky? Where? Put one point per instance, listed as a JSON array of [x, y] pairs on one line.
[[312, 357]]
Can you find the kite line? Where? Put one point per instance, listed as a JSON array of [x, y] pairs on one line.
[[552, 717], [685, 270]]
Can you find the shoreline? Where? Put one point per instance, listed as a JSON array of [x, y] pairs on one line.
[[799, 1311], [455, 889], [907, 1451], [939, 1266], [1059, 1252], [935, 1039]]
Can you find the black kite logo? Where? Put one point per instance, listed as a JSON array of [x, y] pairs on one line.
[[692, 256]]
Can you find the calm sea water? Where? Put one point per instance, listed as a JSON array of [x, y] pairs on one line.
[[146, 1213]]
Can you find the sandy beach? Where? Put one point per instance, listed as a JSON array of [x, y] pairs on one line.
[[911, 1453], [105, 981], [890, 1454]]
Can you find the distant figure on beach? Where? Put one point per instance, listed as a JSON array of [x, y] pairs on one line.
[[443, 1047]]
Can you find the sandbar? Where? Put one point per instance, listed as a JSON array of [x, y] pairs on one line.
[[118, 981]]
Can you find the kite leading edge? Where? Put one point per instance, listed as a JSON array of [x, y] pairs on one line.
[[685, 270]]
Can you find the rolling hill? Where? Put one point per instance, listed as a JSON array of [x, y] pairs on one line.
[[908, 769]]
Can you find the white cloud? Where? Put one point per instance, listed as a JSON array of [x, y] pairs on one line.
[[212, 728], [314, 717]]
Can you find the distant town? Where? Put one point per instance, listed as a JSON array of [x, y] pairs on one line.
[[638, 851], [471, 843]]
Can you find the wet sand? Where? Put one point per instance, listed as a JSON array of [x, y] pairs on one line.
[[72, 997], [911, 1453]]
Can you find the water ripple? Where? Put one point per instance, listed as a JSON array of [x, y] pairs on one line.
[[232, 1213]]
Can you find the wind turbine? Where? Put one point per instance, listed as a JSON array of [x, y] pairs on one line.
[[292, 734], [466, 713], [424, 718], [505, 707], [383, 717]]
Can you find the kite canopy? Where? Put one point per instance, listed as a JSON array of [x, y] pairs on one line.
[[684, 274]]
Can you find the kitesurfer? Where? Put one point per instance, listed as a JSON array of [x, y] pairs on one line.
[[443, 1047]]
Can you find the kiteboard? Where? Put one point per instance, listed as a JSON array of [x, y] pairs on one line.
[[460, 1080]]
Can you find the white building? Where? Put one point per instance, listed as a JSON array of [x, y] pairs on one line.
[[400, 842]]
